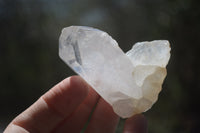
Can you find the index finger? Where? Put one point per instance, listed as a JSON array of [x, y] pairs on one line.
[[53, 107]]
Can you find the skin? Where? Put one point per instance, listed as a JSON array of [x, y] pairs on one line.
[[66, 108]]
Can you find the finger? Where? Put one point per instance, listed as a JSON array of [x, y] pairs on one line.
[[103, 120], [53, 106], [136, 124], [76, 122]]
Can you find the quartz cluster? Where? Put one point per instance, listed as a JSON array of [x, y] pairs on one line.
[[129, 82]]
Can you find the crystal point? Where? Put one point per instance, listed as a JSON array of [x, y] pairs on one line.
[[130, 82]]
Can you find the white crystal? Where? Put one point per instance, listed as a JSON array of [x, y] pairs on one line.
[[130, 82]]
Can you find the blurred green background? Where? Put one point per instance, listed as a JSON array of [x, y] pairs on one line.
[[29, 62]]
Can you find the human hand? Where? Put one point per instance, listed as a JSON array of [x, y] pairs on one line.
[[66, 108]]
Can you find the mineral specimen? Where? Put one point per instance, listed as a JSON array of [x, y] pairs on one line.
[[129, 82]]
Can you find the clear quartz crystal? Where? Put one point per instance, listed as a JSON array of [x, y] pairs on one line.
[[129, 82]]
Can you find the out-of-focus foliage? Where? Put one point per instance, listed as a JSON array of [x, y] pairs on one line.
[[29, 62]]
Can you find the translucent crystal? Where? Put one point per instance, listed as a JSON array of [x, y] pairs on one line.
[[130, 82]]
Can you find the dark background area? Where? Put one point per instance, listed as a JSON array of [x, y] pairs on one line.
[[29, 62]]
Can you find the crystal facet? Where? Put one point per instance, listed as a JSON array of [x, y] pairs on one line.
[[129, 82]]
